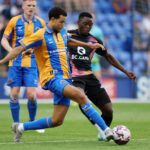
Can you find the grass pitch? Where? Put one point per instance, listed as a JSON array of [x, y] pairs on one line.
[[77, 133]]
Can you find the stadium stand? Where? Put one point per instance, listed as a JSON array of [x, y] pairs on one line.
[[117, 28]]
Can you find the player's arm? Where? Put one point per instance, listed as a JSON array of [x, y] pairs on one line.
[[26, 43], [12, 54], [8, 34], [73, 42], [5, 43], [112, 60]]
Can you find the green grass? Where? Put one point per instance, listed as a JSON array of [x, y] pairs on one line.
[[77, 133]]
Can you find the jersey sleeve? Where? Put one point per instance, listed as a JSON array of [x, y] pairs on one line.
[[10, 28], [99, 50], [33, 40], [68, 36]]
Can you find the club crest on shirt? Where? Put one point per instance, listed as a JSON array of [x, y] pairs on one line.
[[65, 37], [9, 81], [37, 28], [62, 81]]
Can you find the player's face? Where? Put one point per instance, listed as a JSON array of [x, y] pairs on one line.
[[58, 24], [84, 25], [29, 7]]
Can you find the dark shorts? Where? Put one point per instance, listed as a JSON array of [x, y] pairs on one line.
[[92, 88]]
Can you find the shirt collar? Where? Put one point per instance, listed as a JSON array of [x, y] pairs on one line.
[[48, 29], [25, 20]]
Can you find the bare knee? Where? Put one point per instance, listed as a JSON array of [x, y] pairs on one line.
[[80, 97], [14, 95], [57, 122], [31, 95]]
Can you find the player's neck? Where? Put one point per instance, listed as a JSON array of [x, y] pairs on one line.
[[28, 18], [50, 25], [80, 33]]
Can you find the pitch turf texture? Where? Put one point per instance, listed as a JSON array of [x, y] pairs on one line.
[[77, 133]]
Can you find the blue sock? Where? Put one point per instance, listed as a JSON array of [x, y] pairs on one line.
[[15, 108], [93, 115], [32, 108], [38, 124]]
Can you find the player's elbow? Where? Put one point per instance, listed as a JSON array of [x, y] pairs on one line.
[[2, 41]]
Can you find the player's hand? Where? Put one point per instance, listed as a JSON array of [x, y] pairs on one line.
[[131, 75], [27, 52], [97, 45]]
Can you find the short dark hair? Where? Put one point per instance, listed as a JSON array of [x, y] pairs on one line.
[[56, 12], [85, 14]]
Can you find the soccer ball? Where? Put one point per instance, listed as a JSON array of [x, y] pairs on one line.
[[122, 134]]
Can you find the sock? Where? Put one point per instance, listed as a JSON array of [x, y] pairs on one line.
[[15, 108], [38, 124], [94, 116], [107, 119], [97, 127], [86, 115], [32, 108], [21, 127]]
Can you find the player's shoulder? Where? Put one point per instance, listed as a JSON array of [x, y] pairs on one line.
[[73, 32], [14, 19], [41, 30], [40, 19], [98, 40]]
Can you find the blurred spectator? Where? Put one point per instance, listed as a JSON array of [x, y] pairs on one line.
[[75, 5], [95, 62], [106, 68], [3, 52], [141, 6], [146, 23], [140, 37], [121, 6], [5, 9], [96, 31], [16, 8], [3, 24]]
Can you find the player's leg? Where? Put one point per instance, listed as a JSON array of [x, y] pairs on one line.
[[98, 96], [47, 122], [15, 82], [32, 102], [61, 88], [14, 103], [80, 83], [107, 112], [30, 81], [60, 109], [78, 96], [101, 99]]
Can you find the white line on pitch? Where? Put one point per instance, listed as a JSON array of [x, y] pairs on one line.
[[55, 141]]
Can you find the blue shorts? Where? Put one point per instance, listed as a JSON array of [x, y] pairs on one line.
[[56, 85], [22, 76]]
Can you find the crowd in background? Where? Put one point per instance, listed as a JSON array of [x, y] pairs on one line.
[[118, 34]]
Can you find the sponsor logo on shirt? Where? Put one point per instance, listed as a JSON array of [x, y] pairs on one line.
[[79, 57], [81, 50]]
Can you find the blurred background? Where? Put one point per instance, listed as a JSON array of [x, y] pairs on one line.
[[125, 29]]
